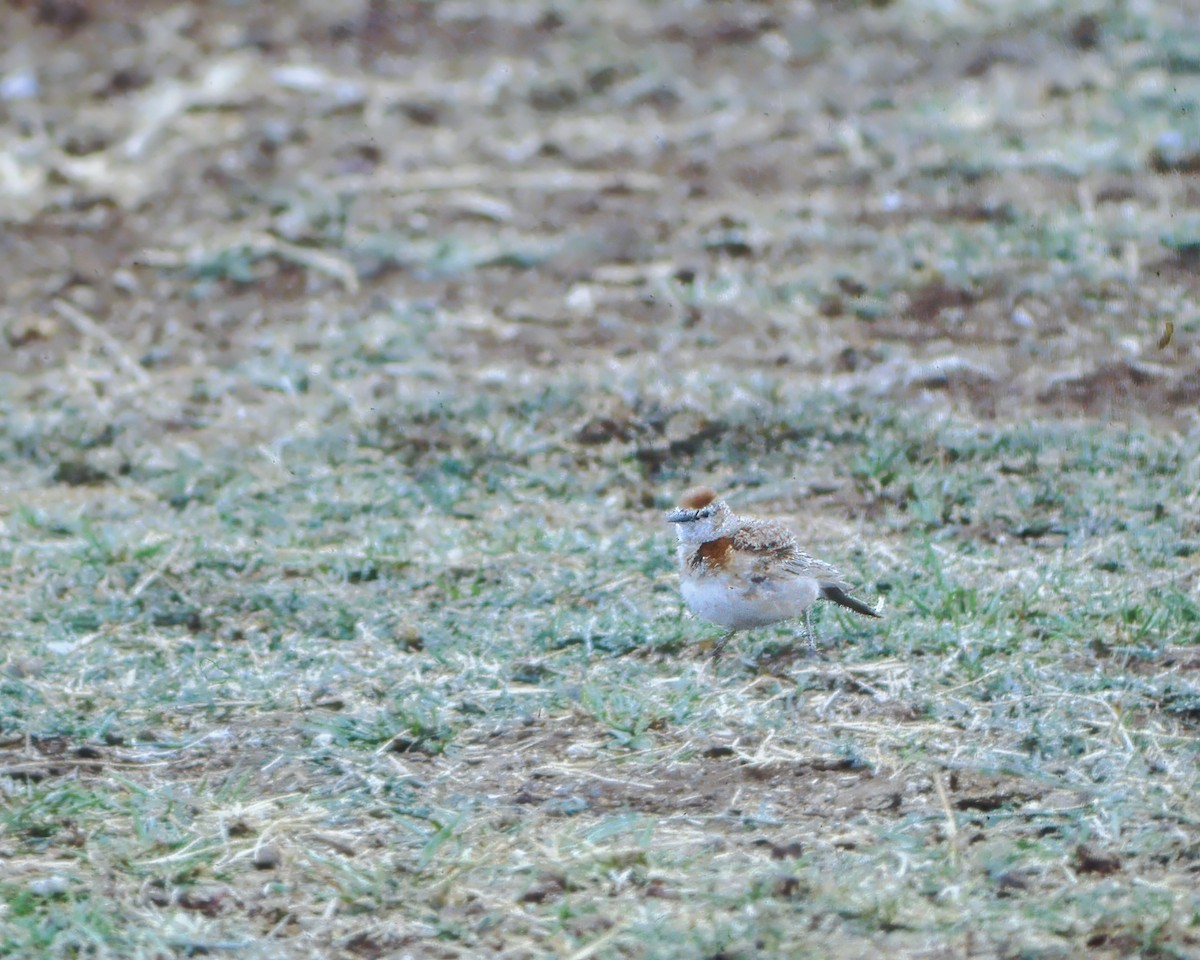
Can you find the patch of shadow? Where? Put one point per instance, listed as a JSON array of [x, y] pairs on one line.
[[987, 792], [79, 473], [1173, 659], [1124, 385], [1090, 860], [934, 298]]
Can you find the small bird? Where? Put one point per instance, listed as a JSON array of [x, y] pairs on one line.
[[743, 573]]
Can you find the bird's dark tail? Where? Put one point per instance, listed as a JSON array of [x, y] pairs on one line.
[[831, 591]]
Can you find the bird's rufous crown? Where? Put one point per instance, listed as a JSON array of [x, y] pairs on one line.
[[697, 498]]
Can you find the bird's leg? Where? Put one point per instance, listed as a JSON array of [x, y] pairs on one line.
[[809, 634], [719, 646]]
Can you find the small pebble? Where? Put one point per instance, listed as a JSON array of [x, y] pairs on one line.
[[50, 886], [1021, 318], [22, 85], [267, 857]]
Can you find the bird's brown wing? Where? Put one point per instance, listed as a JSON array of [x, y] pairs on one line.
[[766, 548]]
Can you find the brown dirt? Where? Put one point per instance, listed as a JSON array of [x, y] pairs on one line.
[[167, 131]]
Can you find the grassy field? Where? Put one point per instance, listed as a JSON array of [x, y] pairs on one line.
[[353, 352]]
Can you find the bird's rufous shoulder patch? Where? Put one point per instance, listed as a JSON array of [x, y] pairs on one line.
[[697, 498], [713, 555]]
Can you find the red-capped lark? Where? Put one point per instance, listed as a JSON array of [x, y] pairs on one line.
[[742, 573]]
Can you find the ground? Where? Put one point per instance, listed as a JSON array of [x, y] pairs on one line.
[[352, 355]]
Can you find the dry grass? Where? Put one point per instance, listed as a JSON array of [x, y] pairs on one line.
[[354, 350]]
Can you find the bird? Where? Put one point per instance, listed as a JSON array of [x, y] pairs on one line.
[[742, 573]]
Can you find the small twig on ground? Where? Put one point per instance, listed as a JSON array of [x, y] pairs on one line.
[[90, 328], [951, 823], [591, 949], [157, 572]]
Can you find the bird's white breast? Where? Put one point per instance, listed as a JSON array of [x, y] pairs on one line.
[[739, 604]]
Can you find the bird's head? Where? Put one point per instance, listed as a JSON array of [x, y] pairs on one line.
[[700, 516]]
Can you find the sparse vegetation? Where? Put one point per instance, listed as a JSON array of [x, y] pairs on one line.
[[353, 354]]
